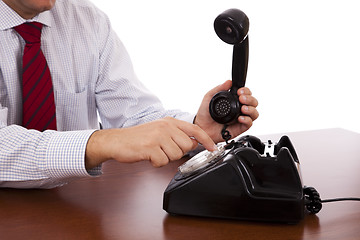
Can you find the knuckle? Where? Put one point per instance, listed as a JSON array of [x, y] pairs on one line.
[[196, 128], [176, 154], [256, 115], [248, 91], [188, 146], [169, 118], [254, 102], [176, 157], [157, 163], [161, 125], [249, 122]]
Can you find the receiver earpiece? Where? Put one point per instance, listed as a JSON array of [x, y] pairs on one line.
[[232, 27]]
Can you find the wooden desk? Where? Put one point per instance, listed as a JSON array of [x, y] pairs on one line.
[[126, 201]]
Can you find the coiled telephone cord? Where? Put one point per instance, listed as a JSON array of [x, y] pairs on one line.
[[225, 134], [313, 201]]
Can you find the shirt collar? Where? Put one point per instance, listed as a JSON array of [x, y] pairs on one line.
[[9, 18]]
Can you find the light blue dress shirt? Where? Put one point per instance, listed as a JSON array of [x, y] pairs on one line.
[[92, 76]]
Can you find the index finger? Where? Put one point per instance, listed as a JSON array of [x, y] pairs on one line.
[[199, 134]]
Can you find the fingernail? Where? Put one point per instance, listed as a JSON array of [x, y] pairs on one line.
[[215, 148], [242, 92]]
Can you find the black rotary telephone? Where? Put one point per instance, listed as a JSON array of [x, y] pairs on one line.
[[246, 179]]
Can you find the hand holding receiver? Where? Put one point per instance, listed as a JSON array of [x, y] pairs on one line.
[[243, 123], [159, 142], [232, 27], [230, 106]]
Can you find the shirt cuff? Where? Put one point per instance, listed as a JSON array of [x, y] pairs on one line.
[[3, 116], [65, 156]]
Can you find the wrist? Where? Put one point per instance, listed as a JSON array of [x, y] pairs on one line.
[[93, 154]]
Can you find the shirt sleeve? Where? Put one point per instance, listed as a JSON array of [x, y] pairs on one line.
[[32, 159]]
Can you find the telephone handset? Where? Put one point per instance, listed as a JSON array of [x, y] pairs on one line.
[[232, 27]]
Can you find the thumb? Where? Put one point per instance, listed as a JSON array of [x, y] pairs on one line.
[[222, 87]]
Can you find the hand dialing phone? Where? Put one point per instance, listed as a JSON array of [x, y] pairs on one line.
[[245, 180]]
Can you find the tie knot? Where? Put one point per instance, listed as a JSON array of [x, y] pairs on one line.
[[30, 32]]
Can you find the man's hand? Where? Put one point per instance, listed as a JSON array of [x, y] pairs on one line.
[[212, 128], [159, 142]]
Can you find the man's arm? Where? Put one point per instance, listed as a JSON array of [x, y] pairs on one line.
[[159, 142], [33, 159]]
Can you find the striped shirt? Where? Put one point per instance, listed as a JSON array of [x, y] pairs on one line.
[[92, 76]]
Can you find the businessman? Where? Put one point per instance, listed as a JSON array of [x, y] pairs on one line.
[[61, 67]]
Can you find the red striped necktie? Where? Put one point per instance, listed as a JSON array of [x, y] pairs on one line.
[[38, 95]]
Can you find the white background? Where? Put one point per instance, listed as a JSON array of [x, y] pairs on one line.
[[303, 64]]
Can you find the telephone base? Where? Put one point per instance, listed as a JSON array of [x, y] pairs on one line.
[[247, 182]]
